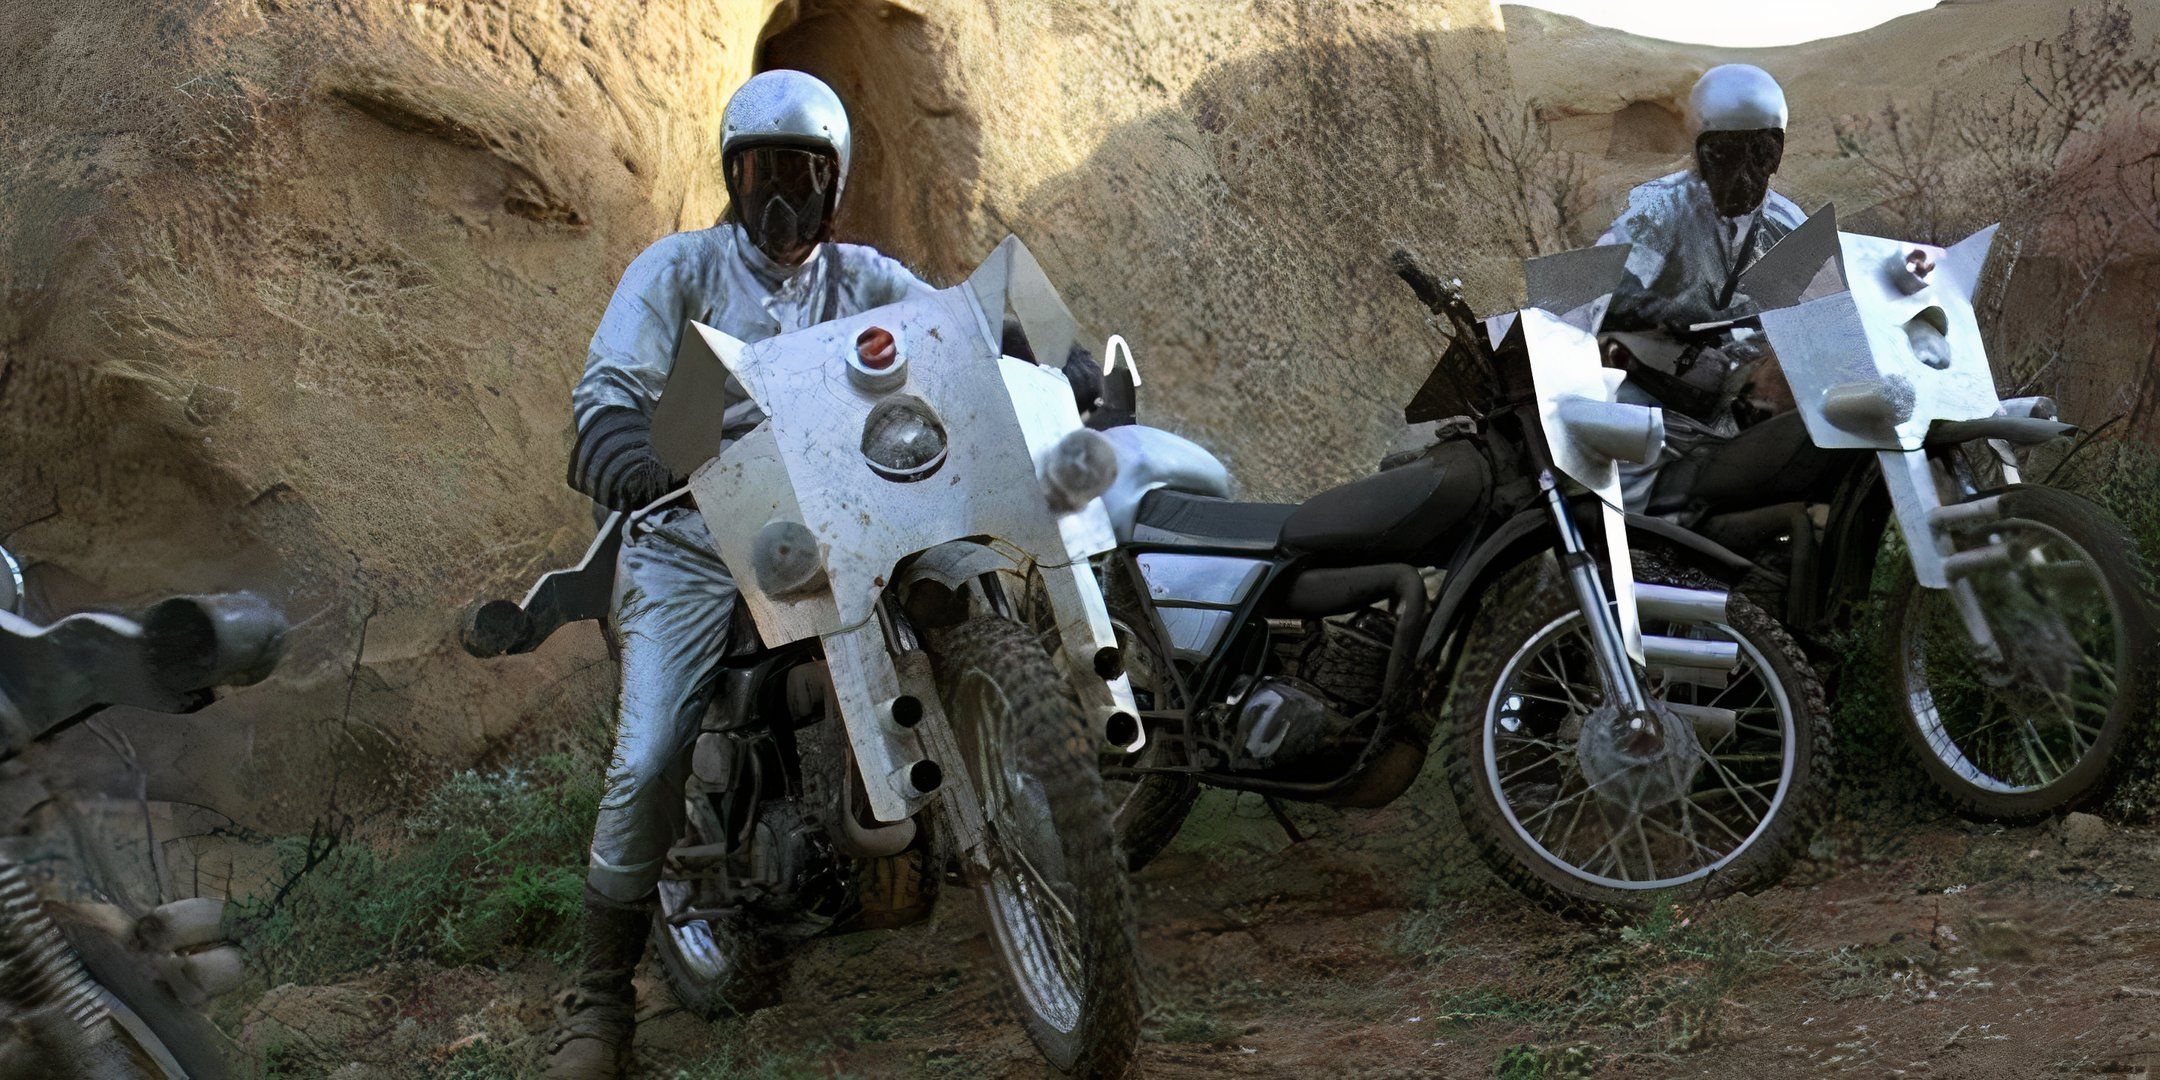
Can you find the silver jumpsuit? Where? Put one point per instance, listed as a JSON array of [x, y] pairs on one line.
[[1683, 252], [674, 599]]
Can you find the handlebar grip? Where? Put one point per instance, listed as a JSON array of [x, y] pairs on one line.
[[192, 643], [492, 628]]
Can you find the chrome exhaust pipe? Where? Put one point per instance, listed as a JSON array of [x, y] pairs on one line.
[[1660, 651], [1674, 604]]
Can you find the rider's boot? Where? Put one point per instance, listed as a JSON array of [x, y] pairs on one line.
[[593, 1041]]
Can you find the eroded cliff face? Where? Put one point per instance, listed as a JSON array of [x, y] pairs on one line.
[[296, 292]]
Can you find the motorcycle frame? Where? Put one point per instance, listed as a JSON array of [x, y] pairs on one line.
[[1518, 520]]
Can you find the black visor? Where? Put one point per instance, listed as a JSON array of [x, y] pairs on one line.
[[1737, 166], [784, 198]]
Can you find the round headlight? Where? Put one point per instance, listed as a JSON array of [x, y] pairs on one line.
[[903, 441]]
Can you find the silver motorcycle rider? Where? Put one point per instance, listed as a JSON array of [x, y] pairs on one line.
[[768, 268], [1692, 234]]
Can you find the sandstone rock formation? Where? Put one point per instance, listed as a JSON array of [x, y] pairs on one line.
[[2040, 115], [296, 291]]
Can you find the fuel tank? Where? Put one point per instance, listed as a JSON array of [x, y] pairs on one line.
[[1151, 458]]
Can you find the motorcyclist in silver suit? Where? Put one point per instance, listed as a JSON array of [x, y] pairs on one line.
[[1692, 234], [768, 268]]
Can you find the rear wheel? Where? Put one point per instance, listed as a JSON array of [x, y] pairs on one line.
[[1052, 884], [2042, 725], [1732, 809]]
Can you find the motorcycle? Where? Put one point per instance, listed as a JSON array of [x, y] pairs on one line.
[[886, 524], [1614, 738], [109, 990], [2017, 624]]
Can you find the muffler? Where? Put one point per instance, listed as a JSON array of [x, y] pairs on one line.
[[1661, 651]]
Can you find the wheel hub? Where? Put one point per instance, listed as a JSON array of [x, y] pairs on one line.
[[1637, 763]]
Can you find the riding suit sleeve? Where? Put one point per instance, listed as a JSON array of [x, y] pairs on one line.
[[1655, 224], [869, 279], [626, 368]]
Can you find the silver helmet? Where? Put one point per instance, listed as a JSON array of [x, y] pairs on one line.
[[1735, 97], [787, 108]]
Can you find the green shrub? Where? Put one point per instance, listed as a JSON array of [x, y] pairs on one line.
[[491, 864], [1524, 1061]]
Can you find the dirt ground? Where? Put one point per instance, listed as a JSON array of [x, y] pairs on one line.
[[1911, 944]]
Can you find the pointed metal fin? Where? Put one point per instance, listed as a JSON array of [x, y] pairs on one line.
[[1964, 260], [1806, 265], [686, 423]]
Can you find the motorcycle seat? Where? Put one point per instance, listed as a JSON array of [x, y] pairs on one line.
[[1177, 517], [1402, 510]]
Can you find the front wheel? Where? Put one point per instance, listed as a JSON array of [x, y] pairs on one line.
[[2038, 722], [730, 962], [1734, 804], [1054, 889]]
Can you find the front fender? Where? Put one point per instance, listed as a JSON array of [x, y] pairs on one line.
[[1528, 534], [956, 563], [1085, 640]]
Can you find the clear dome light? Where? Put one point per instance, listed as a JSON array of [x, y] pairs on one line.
[[903, 441]]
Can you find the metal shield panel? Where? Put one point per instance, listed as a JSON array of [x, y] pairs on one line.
[[1565, 362], [1874, 366], [1577, 285], [687, 422], [1805, 265]]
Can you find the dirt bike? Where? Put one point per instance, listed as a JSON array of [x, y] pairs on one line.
[[2017, 626], [109, 990], [1613, 739], [886, 524]]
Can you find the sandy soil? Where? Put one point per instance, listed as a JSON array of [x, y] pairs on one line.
[[1912, 944]]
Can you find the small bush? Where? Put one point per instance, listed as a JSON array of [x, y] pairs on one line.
[[1524, 1061], [491, 864], [1669, 976]]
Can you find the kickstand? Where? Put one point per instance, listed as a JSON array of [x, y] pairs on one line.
[[1289, 827]]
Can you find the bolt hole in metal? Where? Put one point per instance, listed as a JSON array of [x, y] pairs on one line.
[[1109, 662], [1122, 729], [2021, 724], [1028, 893], [1548, 693]]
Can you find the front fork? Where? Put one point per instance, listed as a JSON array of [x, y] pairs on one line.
[[1615, 669], [1917, 484], [1618, 675]]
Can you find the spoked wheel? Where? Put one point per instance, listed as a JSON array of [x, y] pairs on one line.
[[727, 964], [1051, 882], [1727, 805], [2039, 722]]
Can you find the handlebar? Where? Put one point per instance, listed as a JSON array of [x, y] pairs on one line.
[[168, 662]]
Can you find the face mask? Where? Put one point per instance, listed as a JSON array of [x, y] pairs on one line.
[[1736, 165], [784, 198]]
